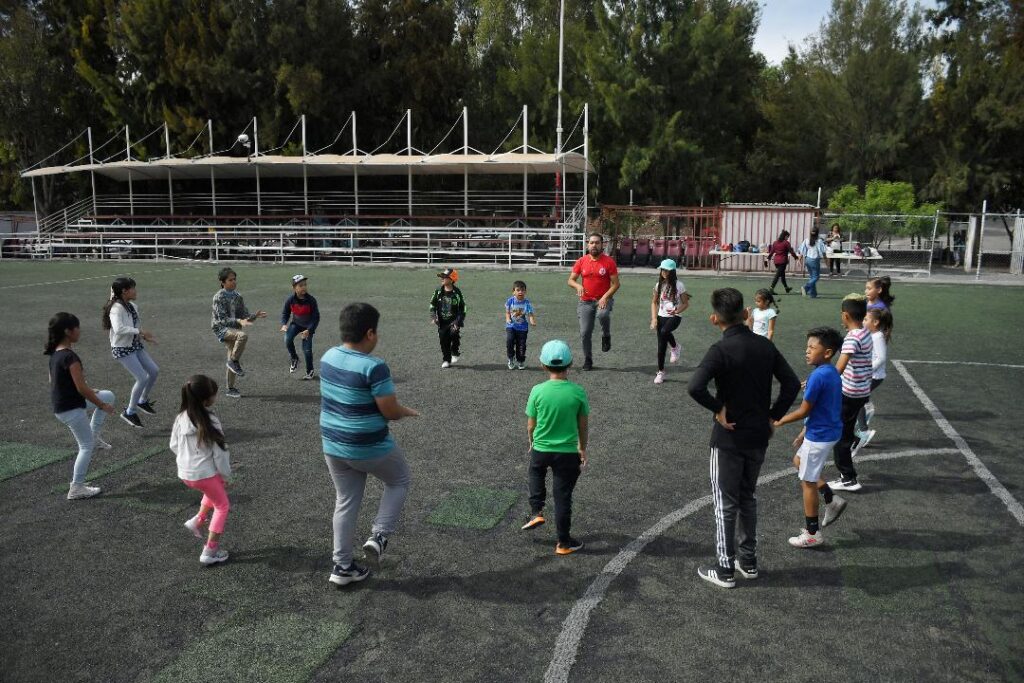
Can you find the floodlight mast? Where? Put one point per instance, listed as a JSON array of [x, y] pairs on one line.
[[558, 129]]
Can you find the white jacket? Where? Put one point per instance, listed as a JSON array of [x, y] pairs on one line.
[[197, 461], [121, 331]]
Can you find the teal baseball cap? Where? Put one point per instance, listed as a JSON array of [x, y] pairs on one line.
[[556, 354], [668, 264]]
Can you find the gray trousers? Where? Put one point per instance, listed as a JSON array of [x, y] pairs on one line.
[[349, 484], [586, 311]]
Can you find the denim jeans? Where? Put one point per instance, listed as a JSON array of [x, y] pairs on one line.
[[145, 371], [85, 431], [307, 345], [813, 274], [515, 344]]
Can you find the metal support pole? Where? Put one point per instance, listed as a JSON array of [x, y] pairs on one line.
[[355, 169], [35, 205], [526, 150], [931, 245], [981, 238], [128, 157], [586, 160], [408, 150], [305, 178], [92, 175], [213, 183], [561, 53], [465, 169], [256, 149], [510, 251], [170, 182]]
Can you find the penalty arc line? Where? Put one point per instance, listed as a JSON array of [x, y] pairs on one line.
[[575, 624], [91, 277], [956, 362], [983, 472]]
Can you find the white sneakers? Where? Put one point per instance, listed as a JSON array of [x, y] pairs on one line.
[[79, 491], [806, 540], [101, 444], [660, 377], [455, 359], [863, 439], [833, 510], [445, 364], [209, 557], [195, 527], [674, 353]]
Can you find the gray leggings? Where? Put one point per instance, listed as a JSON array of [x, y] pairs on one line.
[[349, 478], [586, 311], [145, 371]]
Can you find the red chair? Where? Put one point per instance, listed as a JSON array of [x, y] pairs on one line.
[[624, 255], [674, 250], [643, 253], [658, 249]]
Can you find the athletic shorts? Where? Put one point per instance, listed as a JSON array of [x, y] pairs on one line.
[[813, 455]]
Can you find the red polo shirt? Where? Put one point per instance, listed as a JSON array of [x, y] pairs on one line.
[[597, 275]]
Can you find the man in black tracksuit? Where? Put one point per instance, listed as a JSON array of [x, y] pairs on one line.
[[448, 311], [742, 365]]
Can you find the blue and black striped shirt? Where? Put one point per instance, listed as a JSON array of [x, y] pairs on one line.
[[351, 425]]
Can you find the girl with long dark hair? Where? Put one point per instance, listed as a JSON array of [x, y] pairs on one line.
[[780, 251], [121, 320], [669, 301]]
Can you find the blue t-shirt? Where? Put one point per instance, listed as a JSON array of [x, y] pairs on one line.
[[351, 425], [518, 310], [825, 394]]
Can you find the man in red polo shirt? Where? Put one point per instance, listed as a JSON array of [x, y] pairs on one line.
[[600, 279]]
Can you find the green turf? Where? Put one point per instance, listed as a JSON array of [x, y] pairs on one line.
[[98, 473], [19, 458], [473, 508], [285, 648]]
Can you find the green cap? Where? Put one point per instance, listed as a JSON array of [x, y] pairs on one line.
[[556, 354]]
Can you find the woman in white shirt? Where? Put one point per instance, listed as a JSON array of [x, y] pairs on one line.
[[813, 250], [121, 320]]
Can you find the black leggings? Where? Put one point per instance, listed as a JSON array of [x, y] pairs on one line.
[[665, 337], [780, 272], [835, 266]]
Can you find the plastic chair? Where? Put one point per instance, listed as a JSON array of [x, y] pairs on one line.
[[624, 256], [643, 253]]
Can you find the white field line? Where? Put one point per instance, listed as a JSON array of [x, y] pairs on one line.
[[957, 362], [575, 624], [994, 485], [91, 277]]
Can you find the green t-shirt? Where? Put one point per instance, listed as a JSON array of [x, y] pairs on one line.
[[556, 405]]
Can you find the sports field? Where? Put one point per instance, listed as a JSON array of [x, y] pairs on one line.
[[919, 580]]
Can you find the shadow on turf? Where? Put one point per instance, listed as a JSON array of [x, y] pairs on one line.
[[935, 541], [949, 485], [290, 398]]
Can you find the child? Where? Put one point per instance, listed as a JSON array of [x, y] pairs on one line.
[[822, 408], [197, 439], [68, 394], [762, 318], [879, 322], [448, 311], [835, 246], [229, 317], [121, 320], [556, 426], [358, 400], [876, 291], [518, 318], [855, 366], [299, 318], [669, 301], [743, 366]]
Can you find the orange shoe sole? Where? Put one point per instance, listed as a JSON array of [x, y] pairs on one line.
[[559, 550], [534, 522]]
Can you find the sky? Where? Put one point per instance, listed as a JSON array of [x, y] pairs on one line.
[[791, 21]]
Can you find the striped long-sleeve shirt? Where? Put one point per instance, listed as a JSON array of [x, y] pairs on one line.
[[351, 424]]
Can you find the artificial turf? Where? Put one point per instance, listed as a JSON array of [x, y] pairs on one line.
[[918, 580], [19, 458]]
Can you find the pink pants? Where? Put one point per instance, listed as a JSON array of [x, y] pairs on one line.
[[214, 496]]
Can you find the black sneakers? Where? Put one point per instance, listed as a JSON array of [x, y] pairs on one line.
[[293, 365], [146, 407], [606, 344], [235, 367], [342, 576], [132, 419], [233, 393], [718, 576], [748, 572], [375, 546], [588, 364]]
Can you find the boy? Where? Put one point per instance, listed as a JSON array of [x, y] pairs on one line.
[[855, 366], [357, 401], [229, 317], [822, 406], [304, 315], [742, 365], [518, 318], [448, 311], [556, 426]]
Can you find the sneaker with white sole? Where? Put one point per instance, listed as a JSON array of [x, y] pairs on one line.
[[101, 444], [455, 359], [196, 527], [806, 540], [725, 578], [310, 375], [445, 365], [869, 411], [674, 353], [659, 378], [293, 365], [833, 510], [233, 393], [535, 520], [375, 546], [80, 491], [864, 440], [132, 419], [342, 576], [749, 573], [845, 485], [235, 367], [511, 364], [208, 557], [521, 365], [568, 548]]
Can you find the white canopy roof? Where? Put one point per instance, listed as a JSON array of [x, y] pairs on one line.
[[330, 165]]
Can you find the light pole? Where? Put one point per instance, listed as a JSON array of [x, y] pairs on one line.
[[561, 48]]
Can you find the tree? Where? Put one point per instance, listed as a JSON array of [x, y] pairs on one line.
[[885, 209]]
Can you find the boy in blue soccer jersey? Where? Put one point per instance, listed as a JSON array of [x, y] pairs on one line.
[[357, 401], [518, 318]]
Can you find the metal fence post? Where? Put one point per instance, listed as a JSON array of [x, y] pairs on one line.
[[216, 247], [429, 254], [351, 248], [280, 246], [510, 251], [931, 250], [981, 238]]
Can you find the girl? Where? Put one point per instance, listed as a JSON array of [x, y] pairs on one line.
[[69, 392], [876, 291], [780, 251], [835, 243], [669, 301], [879, 323], [197, 440], [813, 250], [121, 320], [762, 318]]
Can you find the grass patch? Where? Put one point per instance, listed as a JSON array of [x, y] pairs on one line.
[[113, 468], [473, 508], [19, 458], [286, 647]]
